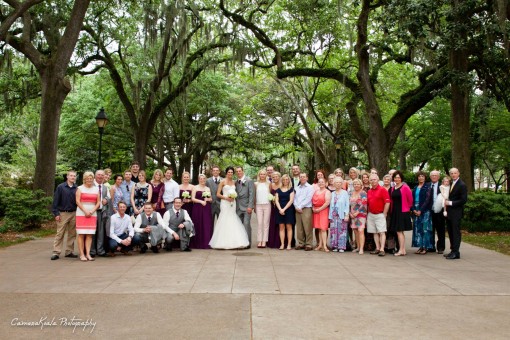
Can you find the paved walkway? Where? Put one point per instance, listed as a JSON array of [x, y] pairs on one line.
[[254, 294]]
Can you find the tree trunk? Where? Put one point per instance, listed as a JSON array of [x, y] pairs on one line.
[[460, 119], [402, 153], [378, 155], [54, 91], [141, 142]]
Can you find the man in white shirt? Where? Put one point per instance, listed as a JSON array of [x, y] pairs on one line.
[[438, 220], [121, 231], [303, 205], [179, 226], [150, 228], [171, 189]]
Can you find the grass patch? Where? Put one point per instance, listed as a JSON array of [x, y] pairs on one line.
[[12, 237], [498, 241]]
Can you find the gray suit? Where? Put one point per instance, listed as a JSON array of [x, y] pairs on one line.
[[215, 204], [100, 239], [173, 223], [245, 197]]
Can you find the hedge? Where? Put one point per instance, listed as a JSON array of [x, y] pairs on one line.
[[21, 208], [487, 211]]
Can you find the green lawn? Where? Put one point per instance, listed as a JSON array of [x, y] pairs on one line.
[[499, 242], [11, 238]]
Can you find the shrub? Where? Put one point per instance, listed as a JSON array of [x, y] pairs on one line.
[[487, 211], [24, 208]]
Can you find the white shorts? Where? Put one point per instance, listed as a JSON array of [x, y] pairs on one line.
[[376, 223]]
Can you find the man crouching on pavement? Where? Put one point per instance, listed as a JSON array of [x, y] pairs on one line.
[[180, 223], [150, 228], [121, 231]]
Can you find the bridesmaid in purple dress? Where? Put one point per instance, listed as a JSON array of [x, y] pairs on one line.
[[158, 189], [202, 215], [187, 188], [273, 240]]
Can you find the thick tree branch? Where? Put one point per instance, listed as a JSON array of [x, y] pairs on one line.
[[19, 10], [258, 32]]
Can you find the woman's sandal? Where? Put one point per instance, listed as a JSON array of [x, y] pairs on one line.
[[418, 251], [83, 258]]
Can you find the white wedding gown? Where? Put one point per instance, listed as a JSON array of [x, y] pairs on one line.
[[229, 231]]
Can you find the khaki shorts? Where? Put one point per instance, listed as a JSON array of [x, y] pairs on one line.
[[376, 223]]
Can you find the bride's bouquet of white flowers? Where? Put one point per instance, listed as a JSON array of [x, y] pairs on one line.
[[232, 194]]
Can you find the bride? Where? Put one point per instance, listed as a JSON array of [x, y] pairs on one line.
[[229, 231]]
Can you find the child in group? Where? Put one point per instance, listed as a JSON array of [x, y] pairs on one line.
[[441, 199]]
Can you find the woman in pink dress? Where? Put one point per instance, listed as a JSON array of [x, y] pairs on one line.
[[87, 201], [320, 209]]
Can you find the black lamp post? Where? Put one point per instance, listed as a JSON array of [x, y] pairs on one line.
[[101, 121], [338, 146]]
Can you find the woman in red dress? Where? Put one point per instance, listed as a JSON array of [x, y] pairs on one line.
[[320, 209]]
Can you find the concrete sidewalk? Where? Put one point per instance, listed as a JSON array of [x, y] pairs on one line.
[[254, 294]]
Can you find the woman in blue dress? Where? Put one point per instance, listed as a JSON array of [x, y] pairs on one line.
[[423, 236], [285, 215]]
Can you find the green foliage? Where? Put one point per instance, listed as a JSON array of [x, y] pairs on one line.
[[23, 208], [487, 211]]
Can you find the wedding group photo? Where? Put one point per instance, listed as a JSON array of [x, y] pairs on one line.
[[221, 169], [330, 214]]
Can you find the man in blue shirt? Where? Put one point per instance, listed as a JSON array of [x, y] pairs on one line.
[[64, 210], [126, 187], [303, 205]]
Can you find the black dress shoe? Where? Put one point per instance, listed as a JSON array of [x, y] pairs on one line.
[[103, 255], [143, 249], [168, 248], [453, 256], [186, 249], [71, 255], [446, 255], [155, 249], [54, 257]]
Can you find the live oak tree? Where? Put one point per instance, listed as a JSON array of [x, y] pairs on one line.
[[358, 72], [153, 54], [45, 32]]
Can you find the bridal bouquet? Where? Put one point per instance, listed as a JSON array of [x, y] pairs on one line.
[[232, 194], [185, 194]]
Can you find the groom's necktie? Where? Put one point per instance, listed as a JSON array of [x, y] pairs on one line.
[[238, 181]]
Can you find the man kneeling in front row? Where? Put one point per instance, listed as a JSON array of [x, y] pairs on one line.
[[150, 228], [180, 223], [121, 231]]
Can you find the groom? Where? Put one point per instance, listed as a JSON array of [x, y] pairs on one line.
[[244, 202]]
